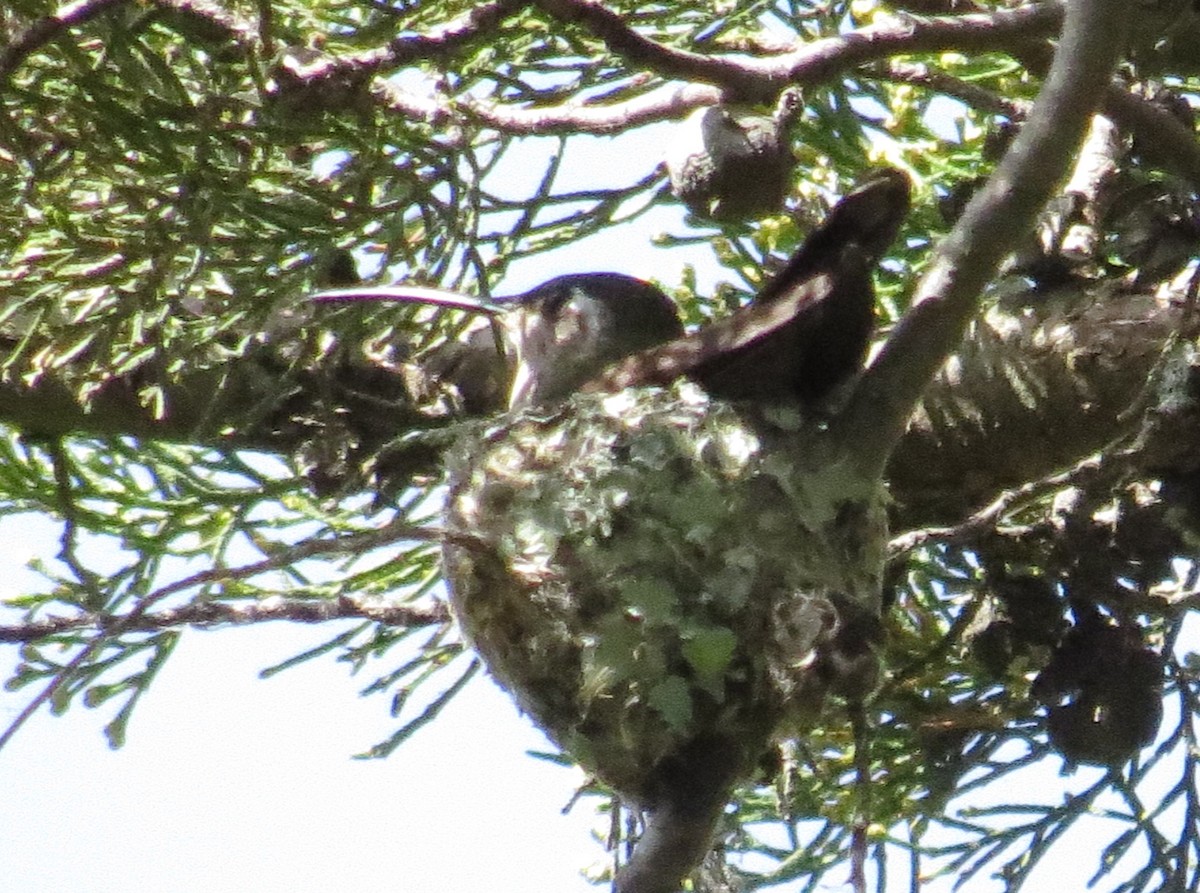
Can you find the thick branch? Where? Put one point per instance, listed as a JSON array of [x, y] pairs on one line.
[[1165, 140], [1026, 395], [813, 62], [235, 28], [258, 403], [996, 218], [711, 75], [823, 59]]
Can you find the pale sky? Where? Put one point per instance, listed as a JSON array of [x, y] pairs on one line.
[[232, 783]]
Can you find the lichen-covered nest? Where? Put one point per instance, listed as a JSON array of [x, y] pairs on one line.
[[650, 569]]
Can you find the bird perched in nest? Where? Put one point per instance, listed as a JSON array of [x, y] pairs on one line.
[[662, 551]]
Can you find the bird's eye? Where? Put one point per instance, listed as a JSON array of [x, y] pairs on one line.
[[553, 305]]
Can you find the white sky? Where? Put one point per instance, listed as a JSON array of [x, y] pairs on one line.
[[231, 783]]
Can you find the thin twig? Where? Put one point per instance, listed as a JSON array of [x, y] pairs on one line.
[[64, 496], [985, 520], [859, 842], [432, 43], [118, 625], [665, 104], [207, 614], [921, 75]]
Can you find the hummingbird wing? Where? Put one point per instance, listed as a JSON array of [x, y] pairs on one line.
[[807, 331], [867, 219], [758, 352]]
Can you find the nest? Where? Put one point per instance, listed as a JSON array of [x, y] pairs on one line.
[[649, 571]]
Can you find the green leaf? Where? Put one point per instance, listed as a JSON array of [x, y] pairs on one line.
[[653, 600], [709, 651], [673, 699]]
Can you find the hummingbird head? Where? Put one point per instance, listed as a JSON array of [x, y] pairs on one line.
[[569, 329], [559, 334]]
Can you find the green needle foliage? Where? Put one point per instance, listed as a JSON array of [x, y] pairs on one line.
[[215, 450]]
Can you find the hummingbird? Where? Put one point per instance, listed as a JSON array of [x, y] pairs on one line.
[[665, 580], [806, 332]]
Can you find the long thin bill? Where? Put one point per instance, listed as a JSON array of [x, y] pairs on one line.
[[412, 294], [416, 294]]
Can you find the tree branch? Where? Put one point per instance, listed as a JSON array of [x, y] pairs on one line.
[[756, 78], [1000, 214], [206, 614], [762, 79], [664, 104], [140, 617], [1165, 140], [1026, 396], [987, 519], [234, 27], [50, 28], [1086, 349], [400, 51], [1003, 29], [921, 75]]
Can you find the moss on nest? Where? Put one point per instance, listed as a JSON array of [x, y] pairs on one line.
[[653, 569]]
